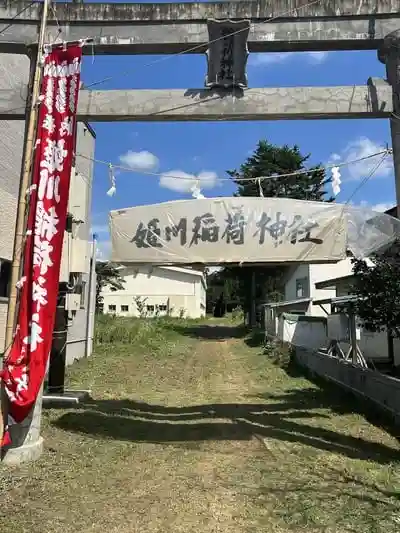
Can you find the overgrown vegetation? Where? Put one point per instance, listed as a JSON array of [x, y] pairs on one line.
[[154, 334]]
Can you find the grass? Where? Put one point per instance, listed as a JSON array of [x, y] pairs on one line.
[[193, 428]]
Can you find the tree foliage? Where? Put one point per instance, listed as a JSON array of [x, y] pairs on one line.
[[107, 274], [378, 287], [269, 160]]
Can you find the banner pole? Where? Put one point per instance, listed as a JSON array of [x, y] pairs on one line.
[[30, 130]]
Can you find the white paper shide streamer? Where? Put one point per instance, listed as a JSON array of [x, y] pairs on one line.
[[113, 189], [196, 191], [336, 181]]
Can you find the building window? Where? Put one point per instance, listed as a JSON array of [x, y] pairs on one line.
[[5, 276], [150, 308], [124, 308], [112, 308], [162, 307], [302, 288]]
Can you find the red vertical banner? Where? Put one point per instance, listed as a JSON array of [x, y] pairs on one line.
[[25, 365]]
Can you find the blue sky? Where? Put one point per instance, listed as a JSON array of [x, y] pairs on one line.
[[217, 146]]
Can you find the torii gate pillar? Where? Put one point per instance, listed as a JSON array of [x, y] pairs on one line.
[[389, 55]]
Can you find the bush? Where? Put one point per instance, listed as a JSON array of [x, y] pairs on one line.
[[237, 314], [281, 353]]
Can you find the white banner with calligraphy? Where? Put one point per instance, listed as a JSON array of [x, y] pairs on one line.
[[246, 230], [228, 230]]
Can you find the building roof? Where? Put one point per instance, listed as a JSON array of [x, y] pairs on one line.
[[331, 283], [287, 303], [183, 270], [338, 300]]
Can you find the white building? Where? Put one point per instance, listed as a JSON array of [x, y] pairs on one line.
[[76, 260], [173, 291], [301, 291], [305, 286], [374, 345]]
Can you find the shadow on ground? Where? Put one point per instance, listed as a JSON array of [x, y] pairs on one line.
[[284, 420], [210, 332]]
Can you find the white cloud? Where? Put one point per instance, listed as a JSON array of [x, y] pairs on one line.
[[144, 160], [381, 207], [180, 181], [358, 149], [259, 60]]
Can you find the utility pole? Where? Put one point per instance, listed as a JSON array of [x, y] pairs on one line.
[[34, 86]]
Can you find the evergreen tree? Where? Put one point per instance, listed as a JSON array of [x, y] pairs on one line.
[[269, 160]]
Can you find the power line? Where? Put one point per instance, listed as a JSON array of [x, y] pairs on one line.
[[368, 177], [261, 178], [197, 47]]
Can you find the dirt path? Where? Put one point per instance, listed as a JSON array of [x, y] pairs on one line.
[[208, 437]]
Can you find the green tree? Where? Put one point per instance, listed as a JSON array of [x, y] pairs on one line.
[[378, 287], [106, 274], [221, 283], [269, 160], [306, 183]]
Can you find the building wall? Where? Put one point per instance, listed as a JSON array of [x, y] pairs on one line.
[[301, 271], [81, 326], [180, 293], [78, 323], [323, 272], [14, 74], [313, 273]]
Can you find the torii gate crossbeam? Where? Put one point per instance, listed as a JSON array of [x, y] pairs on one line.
[[135, 28]]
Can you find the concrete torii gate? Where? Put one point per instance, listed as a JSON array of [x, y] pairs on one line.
[[296, 25]]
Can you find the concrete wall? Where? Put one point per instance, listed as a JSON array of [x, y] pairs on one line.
[[297, 272], [311, 334], [177, 289], [81, 326], [383, 391], [14, 74], [374, 346], [307, 332]]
